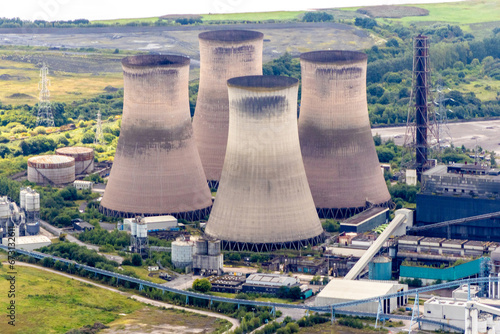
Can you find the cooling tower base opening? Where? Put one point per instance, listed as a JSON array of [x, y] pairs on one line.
[[213, 184], [188, 215], [270, 247], [344, 213]]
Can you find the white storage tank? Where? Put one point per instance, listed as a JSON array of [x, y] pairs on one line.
[[481, 324], [182, 253], [4, 207], [142, 230], [22, 197], [496, 323], [133, 227], [32, 201], [84, 158], [46, 169]]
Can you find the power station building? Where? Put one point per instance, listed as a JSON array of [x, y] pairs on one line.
[[224, 54], [339, 154], [263, 202], [157, 169]]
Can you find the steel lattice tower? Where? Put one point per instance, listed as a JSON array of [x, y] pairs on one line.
[[420, 122], [44, 116], [99, 137]]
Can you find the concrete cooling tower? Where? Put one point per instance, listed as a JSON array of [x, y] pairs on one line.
[[334, 129], [263, 201], [224, 54], [157, 169]]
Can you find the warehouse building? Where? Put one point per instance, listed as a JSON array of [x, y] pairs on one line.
[[268, 283], [29, 243], [340, 291], [154, 223]]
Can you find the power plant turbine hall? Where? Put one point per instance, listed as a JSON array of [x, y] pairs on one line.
[[339, 154], [224, 54], [157, 169], [263, 201]]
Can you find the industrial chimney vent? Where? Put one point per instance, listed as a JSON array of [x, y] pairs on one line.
[[263, 81], [334, 56], [231, 35], [154, 61]]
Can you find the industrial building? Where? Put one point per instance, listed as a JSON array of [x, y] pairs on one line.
[[80, 184], [153, 223], [84, 158], [224, 54], [30, 242], [82, 226], [51, 169], [339, 154], [339, 291], [263, 202], [268, 283], [366, 220], [456, 191], [207, 257], [227, 283], [20, 221], [157, 169]]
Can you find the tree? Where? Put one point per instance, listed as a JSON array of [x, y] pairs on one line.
[[202, 285], [317, 17], [294, 293], [136, 260]]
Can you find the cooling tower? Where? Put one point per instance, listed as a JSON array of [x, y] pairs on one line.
[[263, 201], [334, 129], [157, 169], [224, 54]]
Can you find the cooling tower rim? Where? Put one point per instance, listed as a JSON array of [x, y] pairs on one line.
[[231, 36], [262, 82], [334, 57], [150, 61]]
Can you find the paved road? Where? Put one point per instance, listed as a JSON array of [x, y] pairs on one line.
[[71, 238], [141, 299]]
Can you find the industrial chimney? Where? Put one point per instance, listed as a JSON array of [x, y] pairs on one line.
[[224, 54], [335, 137], [157, 169], [263, 202]]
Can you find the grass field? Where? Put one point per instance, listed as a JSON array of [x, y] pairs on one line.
[[48, 303], [260, 299], [125, 21], [143, 274], [64, 86], [284, 15], [480, 88], [463, 12]]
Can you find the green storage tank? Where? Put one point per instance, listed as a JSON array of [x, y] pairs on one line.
[[380, 268]]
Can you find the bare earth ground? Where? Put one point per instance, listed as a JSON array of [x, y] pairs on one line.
[[151, 320], [469, 134], [279, 38]]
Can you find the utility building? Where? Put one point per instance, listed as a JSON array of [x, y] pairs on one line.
[[157, 169], [263, 202], [335, 136], [224, 54]]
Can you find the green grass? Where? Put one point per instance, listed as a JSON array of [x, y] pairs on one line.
[[281, 16], [464, 12], [479, 87], [143, 272], [125, 21], [48, 303]]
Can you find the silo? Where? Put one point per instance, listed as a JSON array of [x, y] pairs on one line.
[[51, 169], [380, 268], [263, 202], [4, 207], [214, 247], [224, 54], [22, 197], [32, 201], [84, 158], [339, 154], [201, 247], [156, 169], [182, 253]]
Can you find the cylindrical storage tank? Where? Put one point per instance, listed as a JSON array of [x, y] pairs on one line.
[[32, 201], [182, 254], [142, 230], [496, 323], [224, 54], [481, 324], [201, 247], [214, 247], [51, 169], [380, 268], [22, 197], [156, 169], [4, 208], [490, 325], [32, 228], [263, 202], [339, 154], [133, 228], [84, 158]]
